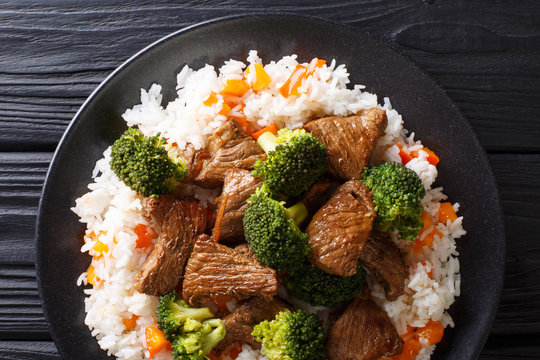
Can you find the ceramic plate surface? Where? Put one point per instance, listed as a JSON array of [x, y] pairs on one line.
[[464, 170]]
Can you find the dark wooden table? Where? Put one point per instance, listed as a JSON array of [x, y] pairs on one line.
[[485, 54]]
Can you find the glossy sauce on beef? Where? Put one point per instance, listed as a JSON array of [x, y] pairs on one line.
[[338, 231]]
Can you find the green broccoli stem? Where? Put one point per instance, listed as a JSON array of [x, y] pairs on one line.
[[268, 141], [209, 340], [298, 212]]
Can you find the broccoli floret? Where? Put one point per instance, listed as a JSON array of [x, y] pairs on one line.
[[196, 345], [145, 164], [291, 336], [174, 316], [296, 159], [272, 231], [397, 192], [320, 288]]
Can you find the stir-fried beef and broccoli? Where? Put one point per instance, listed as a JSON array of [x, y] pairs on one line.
[[230, 295]]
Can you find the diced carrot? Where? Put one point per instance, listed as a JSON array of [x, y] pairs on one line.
[[432, 158], [313, 64], [404, 155], [211, 99], [290, 87], [272, 128], [262, 79], [430, 272], [446, 212], [144, 237], [426, 235], [244, 124], [235, 87], [101, 248], [232, 101], [219, 216], [411, 348], [432, 332], [225, 109], [221, 303], [130, 323], [155, 340], [91, 276], [409, 331]]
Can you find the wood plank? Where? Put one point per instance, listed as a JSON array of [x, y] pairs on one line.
[[21, 179], [28, 350], [52, 57], [21, 315]]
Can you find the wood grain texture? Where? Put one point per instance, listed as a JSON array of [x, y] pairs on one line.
[[21, 180], [52, 57], [28, 350]]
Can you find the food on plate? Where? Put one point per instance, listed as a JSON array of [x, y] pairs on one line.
[[178, 223], [397, 192], [338, 230], [349, 148], [352, 336], [291, 335], [238, 186], [382, 258], [296, 159], [215, 270], [270, 211], [228, 148], [320, 288], [144, 164], [272, 231], [240, 322]]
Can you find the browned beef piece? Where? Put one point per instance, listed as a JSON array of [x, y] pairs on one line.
[[314, 197], [229, 148], [240, 322], [339, 230], [194, 160], [383, 259], [217, 270], [245, 250], [180, 222], [363, 332], [157, 207], [349, 140], [238, 187]]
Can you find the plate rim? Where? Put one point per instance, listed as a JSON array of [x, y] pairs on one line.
[[485, 329]]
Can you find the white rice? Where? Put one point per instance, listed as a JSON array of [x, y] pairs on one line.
[[112, 210]]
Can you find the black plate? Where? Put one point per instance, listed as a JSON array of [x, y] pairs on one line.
[[464, 170]]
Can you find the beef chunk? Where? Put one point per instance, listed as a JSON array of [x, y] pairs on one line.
[[363, 332], [245, 250], [314, 197], [194, 160], [340, 228], [349, 140], [217, 270], [155, 208], [229, 148], [238, 187], [382, 258], [240, 322], [179, 222]]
